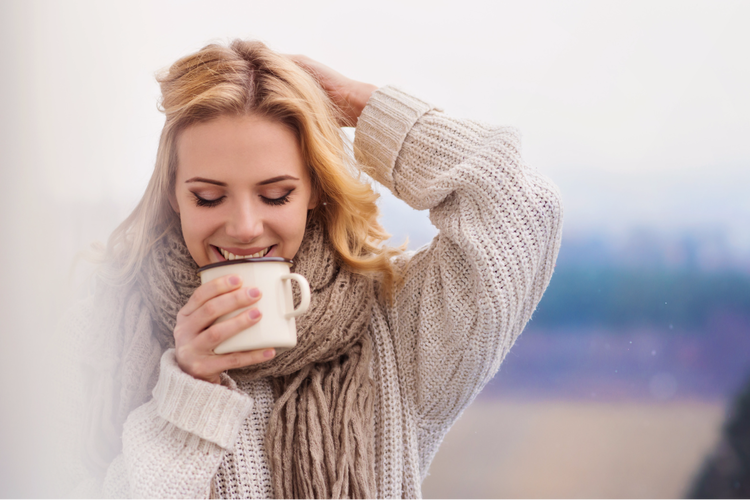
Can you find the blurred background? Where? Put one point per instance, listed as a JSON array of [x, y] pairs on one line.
[[623, 381]]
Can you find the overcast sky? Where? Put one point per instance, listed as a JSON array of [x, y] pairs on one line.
[[638, 110]]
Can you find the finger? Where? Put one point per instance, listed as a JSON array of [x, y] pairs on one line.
[[208, 291], [221, 305], [211, 337], [223, 362]]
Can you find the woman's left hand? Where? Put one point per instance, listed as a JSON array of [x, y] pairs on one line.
[[350, 96]]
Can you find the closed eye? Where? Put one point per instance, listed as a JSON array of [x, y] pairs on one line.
[[203, 202], [277, 201]]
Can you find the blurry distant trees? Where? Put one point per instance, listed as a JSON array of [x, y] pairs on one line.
[[614, 297], [649, 316], [676, 282]]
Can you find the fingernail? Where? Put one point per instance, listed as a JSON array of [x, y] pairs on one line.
[[253, 292], [254, 314], [234, 280], [268, 353]]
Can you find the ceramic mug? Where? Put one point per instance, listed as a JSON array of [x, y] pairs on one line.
[[271, 276]]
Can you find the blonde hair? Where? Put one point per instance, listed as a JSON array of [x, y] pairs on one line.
[[248, 78]]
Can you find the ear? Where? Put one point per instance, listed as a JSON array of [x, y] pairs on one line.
[[173, 202]]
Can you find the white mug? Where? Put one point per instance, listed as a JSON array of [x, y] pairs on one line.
[[271, 276]]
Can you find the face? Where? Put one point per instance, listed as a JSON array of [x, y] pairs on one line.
[[242, 189]]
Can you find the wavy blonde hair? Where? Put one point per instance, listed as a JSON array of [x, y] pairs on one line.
[[247, 77]]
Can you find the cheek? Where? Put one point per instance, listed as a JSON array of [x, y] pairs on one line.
[[197, 226], [291, 227]]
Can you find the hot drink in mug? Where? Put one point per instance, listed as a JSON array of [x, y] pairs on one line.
[[271, 276]]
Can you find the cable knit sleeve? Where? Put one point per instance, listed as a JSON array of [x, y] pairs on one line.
[[468, 294], [172, 444]]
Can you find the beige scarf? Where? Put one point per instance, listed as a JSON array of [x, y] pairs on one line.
[[320, 437]]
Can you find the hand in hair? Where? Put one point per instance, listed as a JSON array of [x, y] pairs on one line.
[[196, 336], [350, 96]]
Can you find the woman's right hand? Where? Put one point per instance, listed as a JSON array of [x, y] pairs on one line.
[[196, 336]]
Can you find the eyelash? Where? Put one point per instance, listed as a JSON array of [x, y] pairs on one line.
[[202, 202], [277, 201]]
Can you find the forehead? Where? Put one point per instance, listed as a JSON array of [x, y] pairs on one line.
[[242, 147]]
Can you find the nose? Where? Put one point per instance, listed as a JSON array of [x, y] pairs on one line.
[[244, 225]]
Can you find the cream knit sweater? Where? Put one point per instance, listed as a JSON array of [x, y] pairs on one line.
[[467, 296]]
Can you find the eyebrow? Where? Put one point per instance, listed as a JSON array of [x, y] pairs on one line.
[[207, 181], [277, 179], [223, 184]]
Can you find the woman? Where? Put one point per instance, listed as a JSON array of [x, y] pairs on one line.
[[395, 344]]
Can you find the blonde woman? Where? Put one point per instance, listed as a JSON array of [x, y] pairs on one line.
[[395, 344]]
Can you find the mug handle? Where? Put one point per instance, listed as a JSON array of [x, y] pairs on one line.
[[304, 288]]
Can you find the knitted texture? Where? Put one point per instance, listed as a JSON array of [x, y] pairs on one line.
[[320, 433], [465, 298]]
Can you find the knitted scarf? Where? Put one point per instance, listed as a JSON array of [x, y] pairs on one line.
[[320, 437]]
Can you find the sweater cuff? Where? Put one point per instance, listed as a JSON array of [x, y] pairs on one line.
[[381, 129], [212, 412]]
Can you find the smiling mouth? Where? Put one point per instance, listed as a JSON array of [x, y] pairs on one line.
[[230, 256]]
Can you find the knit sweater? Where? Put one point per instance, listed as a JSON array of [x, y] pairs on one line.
[[465, 298]]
